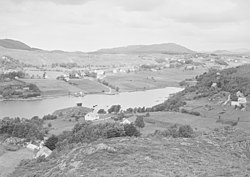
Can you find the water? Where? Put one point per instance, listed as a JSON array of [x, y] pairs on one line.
[[28, 109]]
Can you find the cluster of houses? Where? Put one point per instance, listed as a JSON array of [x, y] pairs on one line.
[[37, 147]]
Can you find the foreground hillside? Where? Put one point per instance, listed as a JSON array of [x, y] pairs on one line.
[[222, 152]]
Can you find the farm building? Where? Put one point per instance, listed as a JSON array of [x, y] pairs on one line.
[[32, 147], [44, 151], [92, 116], [125, 121]]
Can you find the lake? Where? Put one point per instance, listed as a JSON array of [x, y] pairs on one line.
[[28, 109]]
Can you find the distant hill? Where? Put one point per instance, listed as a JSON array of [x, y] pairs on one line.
[[232, 52], [13, 44], [154, 48]]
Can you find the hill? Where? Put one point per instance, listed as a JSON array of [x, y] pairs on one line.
[[13, 44], [218, 153], [7, 62], [154, 48], [232, 52]]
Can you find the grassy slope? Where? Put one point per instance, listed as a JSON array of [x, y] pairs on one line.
[[46, 57], [205, 156], [10, 160], [164, 78], [89, 86], [53, 87]]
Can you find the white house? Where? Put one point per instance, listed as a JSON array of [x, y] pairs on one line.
[[32, 147], [92, 116], [125, 121], [44, 151]]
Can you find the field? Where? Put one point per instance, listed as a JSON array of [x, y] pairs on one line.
[[89, 86], [145, 80], [10, 160], [60, 125], [53, 87]]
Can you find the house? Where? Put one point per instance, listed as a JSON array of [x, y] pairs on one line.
[[44, 151], [91, 116], [32, 147], [125, 121], [214, 85]]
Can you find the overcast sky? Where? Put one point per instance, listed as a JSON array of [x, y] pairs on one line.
[[87, 25]]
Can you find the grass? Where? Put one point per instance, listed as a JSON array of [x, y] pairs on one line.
[[89, 86], [53, 87], [12, 82], [10, 160], [60, 125], [152, 156], [144, 80]]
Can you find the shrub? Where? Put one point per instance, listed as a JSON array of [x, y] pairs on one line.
[[185, 131], [101, 111], [115, 132], [49, 117], [130, 130], [49, 124], [139, 122]]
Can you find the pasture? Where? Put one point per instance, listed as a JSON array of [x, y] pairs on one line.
[[145, 80]]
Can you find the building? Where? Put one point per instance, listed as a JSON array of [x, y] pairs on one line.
[[32, 147], [44, 151], [92, 116], [125, 121]]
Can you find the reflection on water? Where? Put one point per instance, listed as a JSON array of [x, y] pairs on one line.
[[39, 108]]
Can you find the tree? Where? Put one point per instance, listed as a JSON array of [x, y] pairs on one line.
[[130, 130], [186, 131], [51, 142], [139, 122], [101, 111], [49, 125]]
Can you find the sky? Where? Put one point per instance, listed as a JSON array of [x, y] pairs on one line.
[[88, 25]]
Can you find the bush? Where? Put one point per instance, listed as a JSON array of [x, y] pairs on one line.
[[115, 132], [49, 117], [185, 131], [174, 131], [130, 130], [101, 111], [139, 122]]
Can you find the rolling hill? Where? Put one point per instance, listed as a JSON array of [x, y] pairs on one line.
[[13, 44], [129, 55], [154, 48]]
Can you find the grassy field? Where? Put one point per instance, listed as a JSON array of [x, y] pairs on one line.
[[145, 80], [10, 160], [53, 87], [60, 125], [203, 156], [89, 86]]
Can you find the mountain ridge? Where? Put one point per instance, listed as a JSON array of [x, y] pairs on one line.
[[153, 48], [14, 44]]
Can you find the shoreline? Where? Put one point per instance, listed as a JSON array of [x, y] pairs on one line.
[[40, 98]]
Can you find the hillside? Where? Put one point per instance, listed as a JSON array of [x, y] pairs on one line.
[[154, 48], [7, 62], [232, 52], [222, 152], [13, 44], [40, 57]]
